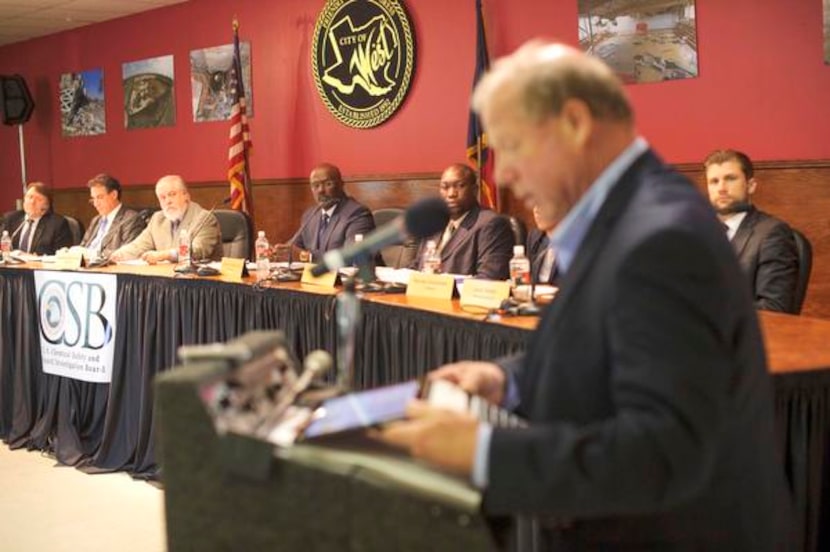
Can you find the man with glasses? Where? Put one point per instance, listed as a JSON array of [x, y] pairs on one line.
[[37, 229], [115, 224], [158, 242], [476, 241], [334, 220]]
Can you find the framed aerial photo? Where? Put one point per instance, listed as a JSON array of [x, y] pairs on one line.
[[148, 93], [642, 40], [211, 81]]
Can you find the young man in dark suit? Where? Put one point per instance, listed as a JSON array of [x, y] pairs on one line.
[[476, 242], [37, 229], [765, 245], [645, 385]]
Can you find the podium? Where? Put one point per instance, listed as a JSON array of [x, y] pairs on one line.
[[234, 492]]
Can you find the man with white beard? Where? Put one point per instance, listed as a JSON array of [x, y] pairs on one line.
[[158, 242]]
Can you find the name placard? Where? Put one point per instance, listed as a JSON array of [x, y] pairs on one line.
[[329, 279], [433, 286], [488, 294], [69, 260], [232, 268]]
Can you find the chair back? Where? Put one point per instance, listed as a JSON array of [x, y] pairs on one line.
[[805, 266], [237, 233], [75, 228], [396, 256]]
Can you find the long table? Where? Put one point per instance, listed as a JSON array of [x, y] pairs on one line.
[[108, 427]]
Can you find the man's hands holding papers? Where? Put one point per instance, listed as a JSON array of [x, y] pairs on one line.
[[440, 432], [436, 435]]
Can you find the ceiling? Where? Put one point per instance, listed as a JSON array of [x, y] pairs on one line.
[[25, 19]]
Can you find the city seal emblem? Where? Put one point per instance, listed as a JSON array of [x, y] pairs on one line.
[[363, 59]]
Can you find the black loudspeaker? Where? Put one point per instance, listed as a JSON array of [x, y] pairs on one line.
[[15, 100]]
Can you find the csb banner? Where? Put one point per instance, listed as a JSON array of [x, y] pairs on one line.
[[76, 319]]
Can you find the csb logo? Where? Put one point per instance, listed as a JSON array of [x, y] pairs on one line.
[[363, 59], [74, 314]]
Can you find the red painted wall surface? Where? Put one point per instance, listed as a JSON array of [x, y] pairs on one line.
[[763, 87]]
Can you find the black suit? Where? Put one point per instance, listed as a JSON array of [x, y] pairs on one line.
[[766, 250], [51, 234], [123, 229], [647, 389], [481, 246], [348, 219]]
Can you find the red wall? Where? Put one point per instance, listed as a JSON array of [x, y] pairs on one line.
[[763, 87]]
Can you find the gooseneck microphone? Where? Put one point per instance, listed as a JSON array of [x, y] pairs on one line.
[[190, 267], [423, 219]]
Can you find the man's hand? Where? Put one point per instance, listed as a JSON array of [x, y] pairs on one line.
[[478, 378], [153, 257], [441, 437]]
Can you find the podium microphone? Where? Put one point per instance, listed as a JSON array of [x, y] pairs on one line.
[[423, 219], [190, 267], [316, 363]]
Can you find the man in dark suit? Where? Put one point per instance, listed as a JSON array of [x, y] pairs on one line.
[[476, 241], [37, 229], [645, 386], [335, 219], [541, 254], [116, 224], [765, 245]]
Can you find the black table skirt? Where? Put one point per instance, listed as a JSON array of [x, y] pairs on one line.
[[109, 427]]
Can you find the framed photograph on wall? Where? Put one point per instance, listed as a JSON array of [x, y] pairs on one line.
[[827, 32], [82, 103], [211, 82], [642, 41], [149, 101]]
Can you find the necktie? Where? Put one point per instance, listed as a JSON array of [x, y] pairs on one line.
[[445, 238], [174, 230], [320, 231], [25, 240], [99, 236], [546, 270]]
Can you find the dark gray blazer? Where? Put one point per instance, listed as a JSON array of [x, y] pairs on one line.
[[124, 228], [767, 253], [348, 219], [481, 247], [51, 234], [647, 389]]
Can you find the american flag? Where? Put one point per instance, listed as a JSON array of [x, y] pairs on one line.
[[240, 137], [478, 150]]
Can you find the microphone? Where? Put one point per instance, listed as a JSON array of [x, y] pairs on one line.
[[315, 364], [286, 275], [190, 267], [423, 219]]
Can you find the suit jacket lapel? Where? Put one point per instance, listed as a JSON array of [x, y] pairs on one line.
[[461, 234], [745, 230]]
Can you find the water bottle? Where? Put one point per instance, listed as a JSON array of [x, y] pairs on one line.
[[6, 245], [184, 246], [519, 267], [348, 315], [432, 259], [262, 249]]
